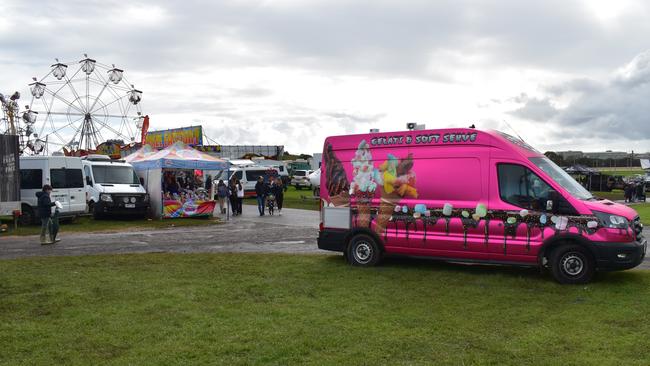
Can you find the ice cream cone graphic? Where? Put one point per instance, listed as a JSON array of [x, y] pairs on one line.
[[398, 182], [363, 185], [386, 208]]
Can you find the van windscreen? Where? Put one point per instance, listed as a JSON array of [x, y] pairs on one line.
[[114, 174], [562, 178]]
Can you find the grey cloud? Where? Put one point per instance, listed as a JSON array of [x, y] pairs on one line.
[[362, 37], [617, 108], [535, 109]]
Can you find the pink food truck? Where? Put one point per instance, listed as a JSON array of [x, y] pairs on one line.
[[470, 196]]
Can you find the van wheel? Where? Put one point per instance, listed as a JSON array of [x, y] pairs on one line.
[[91, 207], [97, 214], [27, 216], [572, 264], [363, 251]]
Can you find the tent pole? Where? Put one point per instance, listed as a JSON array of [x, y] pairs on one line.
[[228, 180]]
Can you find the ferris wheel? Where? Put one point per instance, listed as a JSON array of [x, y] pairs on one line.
[[77, 106]]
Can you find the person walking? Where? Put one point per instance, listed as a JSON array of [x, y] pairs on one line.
[[233, 195], [54, 223], [240, 196], [261, 191], [222, 194], [44, 213], [278, 192]]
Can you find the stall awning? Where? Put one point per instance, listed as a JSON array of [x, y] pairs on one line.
[[179, 156]]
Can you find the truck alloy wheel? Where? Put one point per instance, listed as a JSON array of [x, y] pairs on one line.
[[363, 251], [572, 264]]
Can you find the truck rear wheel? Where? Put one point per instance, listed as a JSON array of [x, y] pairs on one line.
[[363, 251], [27, 216], [572, 264]]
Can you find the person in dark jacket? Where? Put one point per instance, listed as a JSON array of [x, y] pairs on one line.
[[232, 191], [261, 190], [278, 191], [44, 213]]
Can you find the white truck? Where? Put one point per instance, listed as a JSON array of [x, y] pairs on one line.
[[113, 187], [64, 174]]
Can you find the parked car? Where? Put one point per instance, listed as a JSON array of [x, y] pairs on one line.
[[300, 179], [113, 187], [248, 175], [64, 174], [465, 195], [314, 179]]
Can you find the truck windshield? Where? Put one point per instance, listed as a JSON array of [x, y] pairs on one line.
[[110, 174], [562, 178]]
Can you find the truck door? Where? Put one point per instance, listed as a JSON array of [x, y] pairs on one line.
[[60, 192], [75, 184]]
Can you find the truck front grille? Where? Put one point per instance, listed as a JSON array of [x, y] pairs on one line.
[[638, 228]]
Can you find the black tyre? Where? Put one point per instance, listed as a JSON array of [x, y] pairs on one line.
[[27, 216], [363, 251], [97, 214], [572, 264]]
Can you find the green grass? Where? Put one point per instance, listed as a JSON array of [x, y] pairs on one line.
[[246, 309], [626, 172], [88, 224], [293, 199], [615, 194], [643, 209]]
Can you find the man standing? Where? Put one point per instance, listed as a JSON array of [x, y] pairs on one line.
[[44, 212], [260, 192]]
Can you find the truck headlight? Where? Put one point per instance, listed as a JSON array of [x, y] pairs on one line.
[[106, 197], [611, 220]]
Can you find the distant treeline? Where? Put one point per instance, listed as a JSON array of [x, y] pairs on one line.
[[594, 163]]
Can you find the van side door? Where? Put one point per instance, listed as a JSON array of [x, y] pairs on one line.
[[520, 224], [74, 181], [60, 192]]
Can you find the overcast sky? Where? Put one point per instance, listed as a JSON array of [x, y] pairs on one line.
[[564, 74]]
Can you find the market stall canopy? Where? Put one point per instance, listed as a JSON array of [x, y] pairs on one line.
[[179, 156], [140, 154]]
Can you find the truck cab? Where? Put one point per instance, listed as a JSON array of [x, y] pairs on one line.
[[113, 187]]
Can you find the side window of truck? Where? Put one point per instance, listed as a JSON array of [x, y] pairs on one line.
[[66, 178], [521, 187], [31, 178]]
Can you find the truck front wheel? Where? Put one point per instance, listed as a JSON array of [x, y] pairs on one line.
[[27, 216], [363, 251], [572, 264]]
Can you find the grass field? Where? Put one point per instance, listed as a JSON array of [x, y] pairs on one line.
[[626, 172], [644, 212], [245, 309], [293, 198], [614, 195], [88, 224]]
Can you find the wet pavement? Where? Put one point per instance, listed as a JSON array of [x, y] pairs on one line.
[[293, 232]]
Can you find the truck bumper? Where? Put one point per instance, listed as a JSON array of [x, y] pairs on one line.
[[119, 208], [619, 256], [334, 240]]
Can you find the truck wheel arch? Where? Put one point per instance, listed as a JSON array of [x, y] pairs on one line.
[[365, 231], [563, 239]]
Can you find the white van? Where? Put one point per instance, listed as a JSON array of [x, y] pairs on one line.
[[64, 174], [247, 175], [113, 187]]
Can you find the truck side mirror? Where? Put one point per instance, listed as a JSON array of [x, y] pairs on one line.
[[89, 181]]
